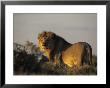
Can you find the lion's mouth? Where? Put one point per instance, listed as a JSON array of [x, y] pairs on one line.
[[43, 46]]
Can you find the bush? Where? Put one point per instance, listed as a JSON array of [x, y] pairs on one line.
[[26, 64]]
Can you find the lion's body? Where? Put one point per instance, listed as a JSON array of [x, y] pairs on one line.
[[76, 55], [57, 49]]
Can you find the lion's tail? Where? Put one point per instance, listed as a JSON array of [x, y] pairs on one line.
[[89, 53]]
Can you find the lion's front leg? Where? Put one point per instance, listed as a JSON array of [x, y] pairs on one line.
[[51, 56], [55, 58], [58, 59]]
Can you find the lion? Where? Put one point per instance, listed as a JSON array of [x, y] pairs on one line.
[[58, 50]]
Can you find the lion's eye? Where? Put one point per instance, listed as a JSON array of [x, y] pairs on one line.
[[44, 37]]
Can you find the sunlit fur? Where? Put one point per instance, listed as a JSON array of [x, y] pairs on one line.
[[56, 49]]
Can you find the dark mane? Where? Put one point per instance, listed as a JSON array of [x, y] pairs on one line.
[[59, 41]]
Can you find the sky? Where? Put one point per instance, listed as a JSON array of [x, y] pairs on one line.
[[73, 27]]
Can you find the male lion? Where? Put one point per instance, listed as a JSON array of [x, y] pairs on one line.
[[57, 49]]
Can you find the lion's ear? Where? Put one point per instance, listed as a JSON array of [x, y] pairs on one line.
[[52, 35], [38, 35]]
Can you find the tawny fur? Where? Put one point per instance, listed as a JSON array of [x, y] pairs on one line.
[[56, 49]]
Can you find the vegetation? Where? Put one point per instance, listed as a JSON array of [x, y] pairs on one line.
[[30, 61]]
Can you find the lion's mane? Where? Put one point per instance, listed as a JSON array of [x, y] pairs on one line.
[[58, 50]]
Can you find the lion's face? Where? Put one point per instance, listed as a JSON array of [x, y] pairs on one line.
[[46, 41]]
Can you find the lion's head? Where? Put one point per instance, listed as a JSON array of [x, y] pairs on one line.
[[46, 41]]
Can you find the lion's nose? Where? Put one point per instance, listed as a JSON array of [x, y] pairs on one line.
[[44, 44]]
